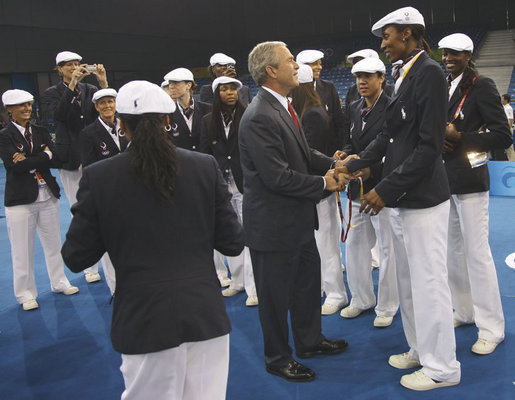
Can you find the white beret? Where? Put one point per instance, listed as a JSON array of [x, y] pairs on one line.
[[365, 53], [142, 97], [221, 58], [165, 83], [402, 16], [65, 56], [458, 42], [309, 56], [16, 96], [103, 93], [305, 73], [369, 65], [179, 75], [223, 80]]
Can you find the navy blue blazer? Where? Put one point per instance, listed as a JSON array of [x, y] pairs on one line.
[[360, 138], [167, 292], [279, 177], [481, 110], [70, 118], [412, 141], [21, 185], [97, 144], [329, 96], [181, 134]]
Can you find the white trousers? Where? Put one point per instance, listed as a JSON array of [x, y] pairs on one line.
[[22, 223], [328, 242], [472, 274], [221, 268], [420, 247], [191, 371], [70, 181], [242, 276], [360, 241], [109, 273]]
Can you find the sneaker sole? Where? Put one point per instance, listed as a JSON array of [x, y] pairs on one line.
[[435, 385], [404, 366]]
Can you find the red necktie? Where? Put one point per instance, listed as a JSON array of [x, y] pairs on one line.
[[292, 113]]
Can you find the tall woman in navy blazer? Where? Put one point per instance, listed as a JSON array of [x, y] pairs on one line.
[[415, 185], [476, 126], [169, 318], [219, 137], [31, 199]]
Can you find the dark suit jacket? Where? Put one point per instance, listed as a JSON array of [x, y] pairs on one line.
[[329, 95], [69, 118], [167, 292], [359, 139], [279, 212], [412, 141], [21, 185], [97, 144], [225, 150], [181, 134], [482, 110], [206, 94]]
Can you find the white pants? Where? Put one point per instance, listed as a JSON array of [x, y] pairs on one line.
[[109, 273], [70, 181], [191, 371], [328, 242], [420, 247], [472, 274], [221, 268], [22, 223], [242, 276], [360, 241]]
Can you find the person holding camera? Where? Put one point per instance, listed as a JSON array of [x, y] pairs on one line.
[[70, 105]]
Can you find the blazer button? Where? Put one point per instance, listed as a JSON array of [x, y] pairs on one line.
[[193, 147], [82, 117], [227, 171], [228, 157], [391, 140]]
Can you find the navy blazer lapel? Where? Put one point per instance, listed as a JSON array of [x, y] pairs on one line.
[[411, 73], [375, 114], [19, 141], [453, 103]]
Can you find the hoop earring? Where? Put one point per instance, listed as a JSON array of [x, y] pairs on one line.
[[168, 128], [121, 133]]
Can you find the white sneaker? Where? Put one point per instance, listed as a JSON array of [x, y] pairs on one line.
[[382, 322], [483, 346], [230, 292], [403, 361], [224, 282], [30, 305], [92, 277], [351, 312], [252, 301], [328, 309], [420, 381], [70, 290]]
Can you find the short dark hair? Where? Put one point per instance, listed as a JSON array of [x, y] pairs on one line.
[[506, 97]]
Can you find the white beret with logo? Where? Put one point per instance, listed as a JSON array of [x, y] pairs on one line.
[[402, 16], [458, 42], [221, 59], [164, 84], [65, 56], [16, 96], [365, 53], [142, 97], [104, 93], [305, 73], [309, 56], [223, 80], [369, 65], [179, 75]]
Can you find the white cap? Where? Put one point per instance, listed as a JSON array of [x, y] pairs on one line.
[[223, 80], [458, 42], [165, 83], [65, 56], [179, 75], [305, 73], [402, 16], [365, 53], [369, 65], [309, 56], [103, 93], [221, 58], [142, 97], [16, 96]]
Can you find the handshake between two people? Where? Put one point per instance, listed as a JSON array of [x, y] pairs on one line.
[[336, 179]]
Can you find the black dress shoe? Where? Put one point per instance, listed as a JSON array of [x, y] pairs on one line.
[[293, 372], [325, 347]]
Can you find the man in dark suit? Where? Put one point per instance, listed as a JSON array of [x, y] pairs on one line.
[[223, 65], [279, 215], [31, 199], [169, 316]]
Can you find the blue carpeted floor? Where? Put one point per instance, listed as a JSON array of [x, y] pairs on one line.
[[63, 350]]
